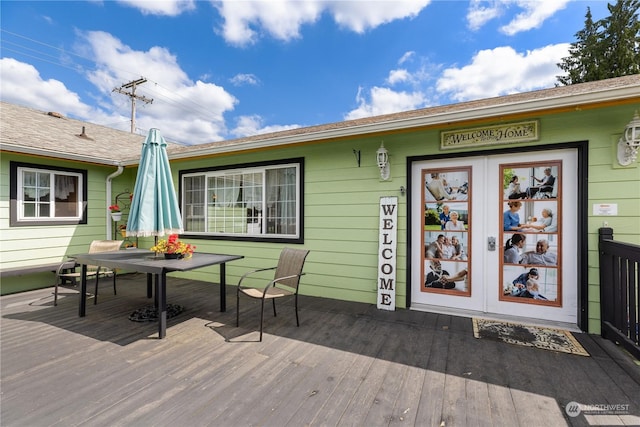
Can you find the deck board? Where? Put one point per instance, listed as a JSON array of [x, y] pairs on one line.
[[347, 364]]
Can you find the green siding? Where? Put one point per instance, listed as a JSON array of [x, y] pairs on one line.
[[342, 199], [609, 183], [35, 245]]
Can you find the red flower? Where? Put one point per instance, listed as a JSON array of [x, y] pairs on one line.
[[173, 246]]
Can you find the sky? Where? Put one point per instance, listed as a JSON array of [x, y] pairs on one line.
[[220, 70]]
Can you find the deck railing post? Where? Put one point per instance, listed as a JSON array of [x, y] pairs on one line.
[[619, 291], [606, 280]]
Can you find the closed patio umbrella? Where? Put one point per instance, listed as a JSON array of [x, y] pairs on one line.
[[154, 209], [154, 206]]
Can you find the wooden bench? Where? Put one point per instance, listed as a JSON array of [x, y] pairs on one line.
[[40, 268], [57, 269]]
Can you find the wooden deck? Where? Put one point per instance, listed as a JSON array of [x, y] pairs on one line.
[[348, 364]]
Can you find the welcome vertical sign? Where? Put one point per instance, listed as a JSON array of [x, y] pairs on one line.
[[387, 244]]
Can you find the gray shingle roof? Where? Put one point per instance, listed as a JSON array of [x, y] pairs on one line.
[[26, 130]]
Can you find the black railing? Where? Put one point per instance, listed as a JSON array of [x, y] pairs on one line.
[[619, 299]]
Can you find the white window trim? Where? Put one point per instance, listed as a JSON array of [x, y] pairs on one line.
[[52, 218], [297, 164]]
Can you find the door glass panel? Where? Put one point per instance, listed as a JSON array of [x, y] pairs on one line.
[[531, 201], [446, 260]]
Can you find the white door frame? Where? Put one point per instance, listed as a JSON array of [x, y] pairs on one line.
[[575, 171]]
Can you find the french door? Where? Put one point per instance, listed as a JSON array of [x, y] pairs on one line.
[[496, 235]]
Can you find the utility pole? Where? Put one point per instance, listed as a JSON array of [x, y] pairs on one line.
[[132, 85]]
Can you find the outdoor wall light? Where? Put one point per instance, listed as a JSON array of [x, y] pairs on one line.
[[629, 142], [382, 156]]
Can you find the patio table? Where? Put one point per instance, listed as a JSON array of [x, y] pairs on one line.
[[143, 261]]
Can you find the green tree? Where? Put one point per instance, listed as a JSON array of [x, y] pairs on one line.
[[607, 48], [621, 40], [582, 64]]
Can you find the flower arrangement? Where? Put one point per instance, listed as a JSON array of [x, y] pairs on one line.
[[114, 208], [172, 246]]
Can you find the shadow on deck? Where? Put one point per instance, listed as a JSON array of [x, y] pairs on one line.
[[347, 364]]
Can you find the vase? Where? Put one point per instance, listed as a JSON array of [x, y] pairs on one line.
[[116, 216], [173, 256]]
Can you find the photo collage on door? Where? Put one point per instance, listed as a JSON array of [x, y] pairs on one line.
[[531, 233], [447, 226]]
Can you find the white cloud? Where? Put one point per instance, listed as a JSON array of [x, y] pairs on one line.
[[410, 88], [416, 77], [360, 16], [385, 101], [254, 125], [186, 111], [533, 14], [397, 76], [181, 107], [503, 71], [245, 21], [281, 19], [22, 84], [244, 79], [161, 7], [18, 83], [479, 14], [406, 57]]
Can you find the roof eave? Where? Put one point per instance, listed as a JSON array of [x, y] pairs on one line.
[[57, 155]]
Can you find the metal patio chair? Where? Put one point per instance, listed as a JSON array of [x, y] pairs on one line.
[[285, 283], [92, 270]]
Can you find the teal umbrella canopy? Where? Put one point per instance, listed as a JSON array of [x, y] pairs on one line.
[[154, 206]]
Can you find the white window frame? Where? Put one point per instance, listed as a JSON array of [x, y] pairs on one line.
[[259, 230], [17, 217], [52, 195]]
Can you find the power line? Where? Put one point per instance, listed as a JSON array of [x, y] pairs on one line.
[[132, 85], [169, 96], [176, 98]]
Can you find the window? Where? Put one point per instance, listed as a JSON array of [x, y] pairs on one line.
[[45, 196], [257, 201]]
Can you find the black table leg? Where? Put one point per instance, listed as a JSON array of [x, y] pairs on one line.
[[156, 303], [83, 291], [149, 285], [223, 287], [161, 292]]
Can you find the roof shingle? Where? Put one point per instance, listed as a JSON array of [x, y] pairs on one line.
[[26, 130]]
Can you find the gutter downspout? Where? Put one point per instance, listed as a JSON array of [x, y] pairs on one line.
[[109, 179]]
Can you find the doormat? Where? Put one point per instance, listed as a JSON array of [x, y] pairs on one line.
[[150, 313], [530, 336]]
